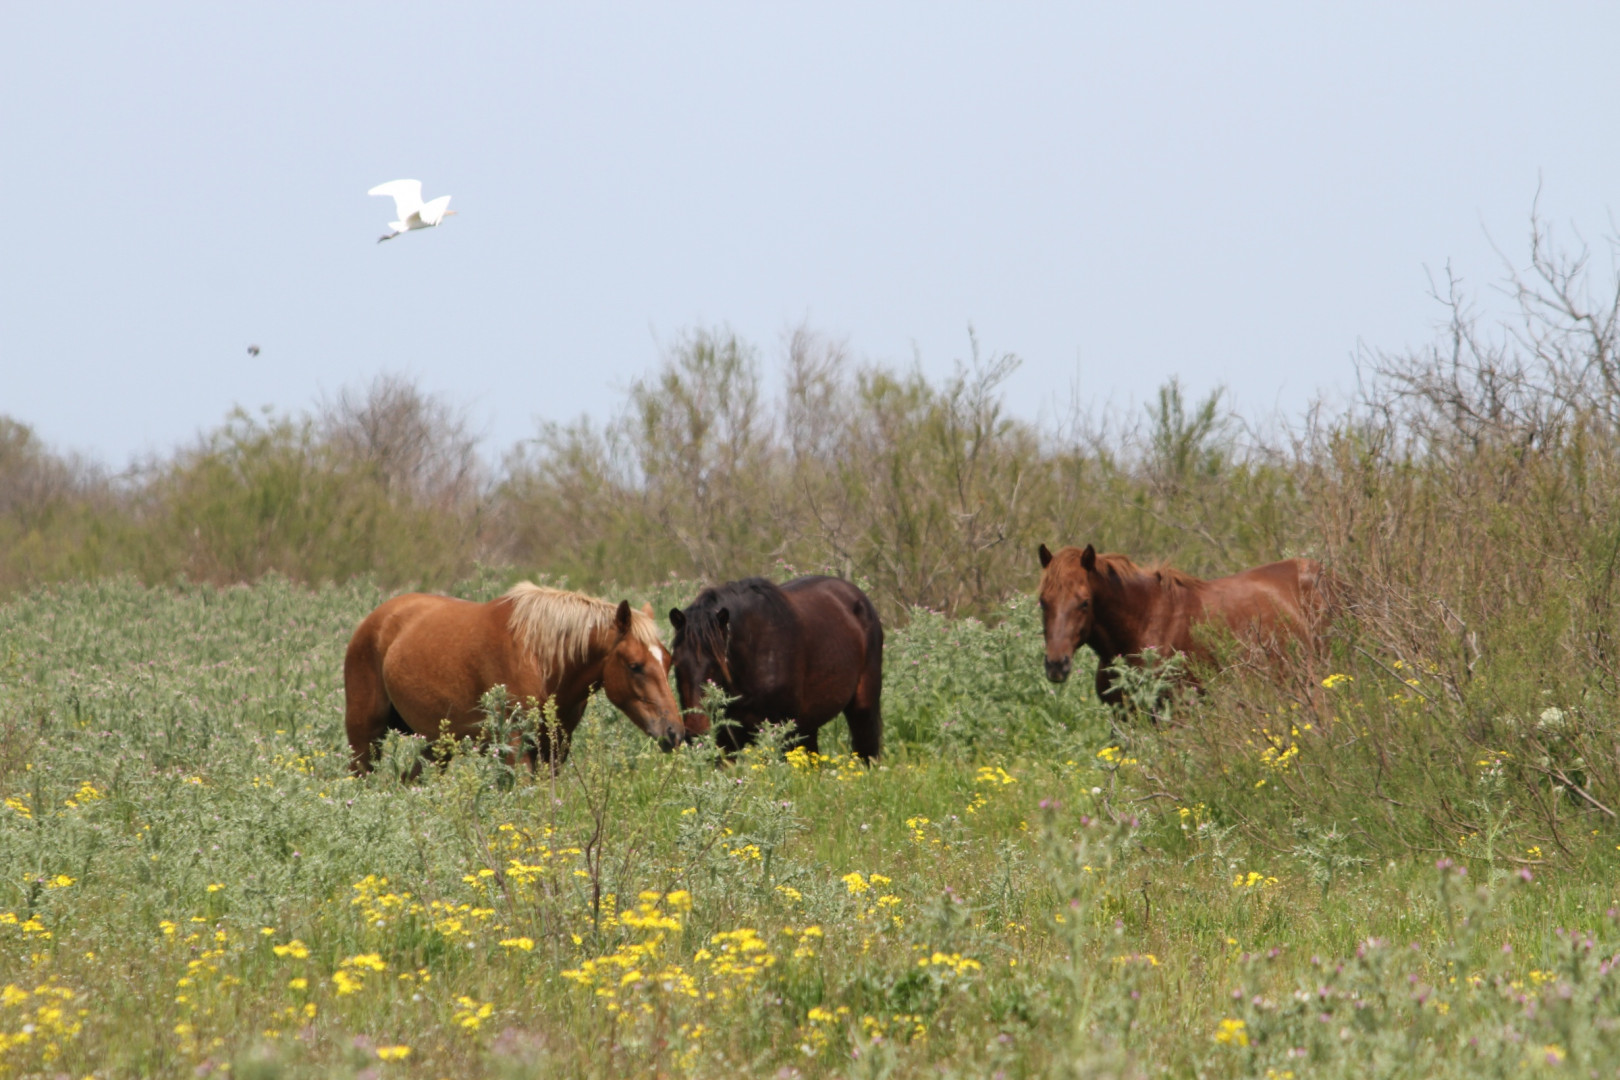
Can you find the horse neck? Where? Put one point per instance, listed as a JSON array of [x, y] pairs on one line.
[[582, 677], [1121, 623]]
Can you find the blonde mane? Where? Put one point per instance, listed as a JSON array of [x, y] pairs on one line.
[[557, 626]]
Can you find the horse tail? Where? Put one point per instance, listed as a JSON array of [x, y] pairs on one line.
[[368, 713], [865, 712], [1320, 594], [1321, 599], [867, 614]]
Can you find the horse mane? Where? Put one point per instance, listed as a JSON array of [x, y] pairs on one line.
[[557, 626], [703, 627], [1066, 565], [1127, 568]]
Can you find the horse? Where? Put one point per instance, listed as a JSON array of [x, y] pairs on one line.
[[420, 663], [801, 652], [1121, 609]]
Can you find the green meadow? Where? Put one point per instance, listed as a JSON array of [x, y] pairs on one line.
[[192, 885], [1393, 858]]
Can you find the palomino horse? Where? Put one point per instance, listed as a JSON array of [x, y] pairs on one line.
[[419, 664], [802, 652], [1121, 609]]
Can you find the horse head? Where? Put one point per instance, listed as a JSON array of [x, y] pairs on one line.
[[702, 636], [1067, 616], [635, 677]]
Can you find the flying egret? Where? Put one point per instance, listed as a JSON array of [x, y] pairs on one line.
[[409, 208]]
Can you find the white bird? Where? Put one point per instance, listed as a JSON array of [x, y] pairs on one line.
[[409, 208]]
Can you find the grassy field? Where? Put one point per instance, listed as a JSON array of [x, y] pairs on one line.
[[191, 885]]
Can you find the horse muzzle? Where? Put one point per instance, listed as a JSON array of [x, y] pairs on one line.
[[695, 721], [1058, 670]]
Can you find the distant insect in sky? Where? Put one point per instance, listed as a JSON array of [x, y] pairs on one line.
[[253, 350], [409, 208]]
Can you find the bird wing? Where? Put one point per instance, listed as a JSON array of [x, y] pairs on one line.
[[433, 212], [407, 196]]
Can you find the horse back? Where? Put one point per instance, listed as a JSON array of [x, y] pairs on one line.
[[1287, 595], [436, 655], [420, 618], [835, 617]]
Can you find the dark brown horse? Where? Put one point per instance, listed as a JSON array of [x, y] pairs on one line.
[[1121, 609], [419, 664], [803, 652]]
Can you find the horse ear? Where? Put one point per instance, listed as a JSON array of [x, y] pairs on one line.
[[621, 617], [1046, 557], [677, 619], [1088, 558], [723, 617], [646, 609]]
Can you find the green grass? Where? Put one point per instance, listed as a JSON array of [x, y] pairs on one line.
[[192, 882]]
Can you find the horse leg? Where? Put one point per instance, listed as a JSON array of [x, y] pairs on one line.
[[806, 739], [733, 734], [551, 741], [1112, 695], [865, 731], [1109, 692]]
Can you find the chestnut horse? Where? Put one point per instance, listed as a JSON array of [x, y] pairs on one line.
[[420, 663], [1121, 609], [803, 652]]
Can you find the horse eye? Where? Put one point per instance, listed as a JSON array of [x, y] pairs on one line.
[[635, 669]]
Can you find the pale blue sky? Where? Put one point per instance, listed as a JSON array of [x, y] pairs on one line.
[[1233, 193]]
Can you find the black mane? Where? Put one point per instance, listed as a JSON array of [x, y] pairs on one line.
[[749, 594]]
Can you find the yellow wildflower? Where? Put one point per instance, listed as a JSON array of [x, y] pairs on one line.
[[472, 1014]]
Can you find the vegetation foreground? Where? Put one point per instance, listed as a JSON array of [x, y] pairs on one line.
[[190, 883]]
